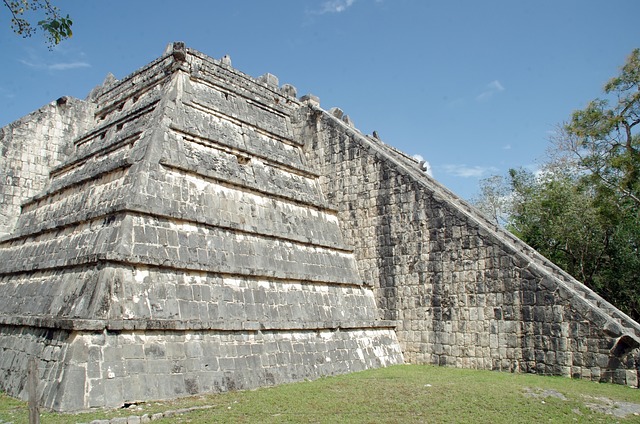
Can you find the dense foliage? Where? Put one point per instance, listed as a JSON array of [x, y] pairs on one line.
[[55, 26], [581, 210]]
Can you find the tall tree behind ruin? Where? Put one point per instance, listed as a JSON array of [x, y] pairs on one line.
[[582, 209]]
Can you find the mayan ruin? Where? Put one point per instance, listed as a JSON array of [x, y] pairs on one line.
[[191, 229]]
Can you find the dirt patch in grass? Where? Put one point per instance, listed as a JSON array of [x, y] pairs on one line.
[[601, 405], [612, 407]]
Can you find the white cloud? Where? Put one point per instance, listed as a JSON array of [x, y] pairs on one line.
[[506, 147], [68, 65], [495, 85], [490, 90], [427, 166], [465, 171], [30, 64], [60, 66], [61, 59], [335, 6]]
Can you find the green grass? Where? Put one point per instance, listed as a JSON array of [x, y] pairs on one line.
[[399, 394]]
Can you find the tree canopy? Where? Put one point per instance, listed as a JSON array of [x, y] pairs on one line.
[[581, 209], [604, 136], [55, 26]]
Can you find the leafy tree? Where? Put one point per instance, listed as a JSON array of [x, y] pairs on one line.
[[555, 214], [620, 281], [55, 26], [604, 136], [582, 210], [605, 140], [494, 199]]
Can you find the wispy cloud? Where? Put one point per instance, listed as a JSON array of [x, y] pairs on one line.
[[67, 66], [425, 164], [486, 93], [335, 6], [490, 90], [466, 171], [60, 66], [61, 59]]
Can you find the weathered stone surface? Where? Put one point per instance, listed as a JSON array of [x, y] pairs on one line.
[[467, 293], [191, 229], [30, 148], [179, 244]]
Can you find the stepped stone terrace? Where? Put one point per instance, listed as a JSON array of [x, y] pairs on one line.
[[192, 229]]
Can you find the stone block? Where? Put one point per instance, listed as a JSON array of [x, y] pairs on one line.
[[155, 350], [269, 79], [136, 366], [133, 351], [631, 378]]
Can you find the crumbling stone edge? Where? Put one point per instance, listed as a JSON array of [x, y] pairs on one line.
[[146, 418]]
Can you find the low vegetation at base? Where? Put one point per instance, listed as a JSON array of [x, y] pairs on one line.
[[398, 394]]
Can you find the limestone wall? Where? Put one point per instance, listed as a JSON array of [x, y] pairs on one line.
[[467, 293], [183, 246], [192, 229], [109, 368], [50, 346], [30, 148]]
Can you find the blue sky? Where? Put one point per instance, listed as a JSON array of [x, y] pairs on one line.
[[474, 87]]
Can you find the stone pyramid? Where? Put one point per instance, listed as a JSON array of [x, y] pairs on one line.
[[183, 246], [191, 229]]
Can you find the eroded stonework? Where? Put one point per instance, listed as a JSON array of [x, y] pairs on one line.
[[191, 229]]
